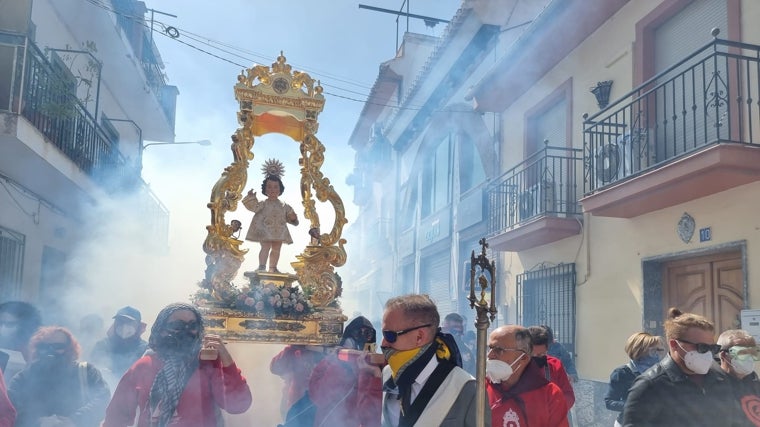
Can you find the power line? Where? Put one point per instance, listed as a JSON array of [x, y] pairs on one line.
[[165, 33]]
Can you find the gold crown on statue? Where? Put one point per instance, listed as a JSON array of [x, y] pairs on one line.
[[273, 167]]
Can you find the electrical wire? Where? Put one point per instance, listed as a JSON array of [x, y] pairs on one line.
[[34, 215], [200, 39]]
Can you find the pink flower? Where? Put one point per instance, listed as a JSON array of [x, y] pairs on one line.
[[299, 307], [249, 301], [285, 293], [259, 306]]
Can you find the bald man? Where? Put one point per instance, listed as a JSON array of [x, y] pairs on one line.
[[518, 391]]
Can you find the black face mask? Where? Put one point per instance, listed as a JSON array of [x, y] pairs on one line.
[[50, 361], [179, 341]]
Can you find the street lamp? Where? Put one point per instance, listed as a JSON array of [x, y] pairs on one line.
[[199, 142]]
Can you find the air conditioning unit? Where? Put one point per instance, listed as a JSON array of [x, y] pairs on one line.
[[628, 155], [536, 200]]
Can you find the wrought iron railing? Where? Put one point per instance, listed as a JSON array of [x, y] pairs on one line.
[[45, 99], [130, 19], [543, 184], [707, 98]]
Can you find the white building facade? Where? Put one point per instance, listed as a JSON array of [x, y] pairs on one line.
[[81, 86]]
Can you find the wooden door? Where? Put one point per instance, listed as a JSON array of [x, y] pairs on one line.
[[710, 285]]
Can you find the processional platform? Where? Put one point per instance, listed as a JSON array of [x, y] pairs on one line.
[[300, 308]]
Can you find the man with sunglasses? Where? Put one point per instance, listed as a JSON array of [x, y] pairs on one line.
[[685, 388], [423, 384], [738, 354]]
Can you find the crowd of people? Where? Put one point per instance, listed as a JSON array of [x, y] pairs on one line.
[[423, 376], [164, 381]]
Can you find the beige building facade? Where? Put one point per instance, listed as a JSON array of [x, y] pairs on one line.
[[626, 141]]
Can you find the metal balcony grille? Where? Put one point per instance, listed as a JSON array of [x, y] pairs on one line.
[[11, 263], [544, 184], [547, 297], [707, 98]]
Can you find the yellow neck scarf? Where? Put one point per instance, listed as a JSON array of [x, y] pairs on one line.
[[400, 358]]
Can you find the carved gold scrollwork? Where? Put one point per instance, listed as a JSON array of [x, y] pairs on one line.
[[266, 106]]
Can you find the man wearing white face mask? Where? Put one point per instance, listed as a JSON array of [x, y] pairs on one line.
[[738, 354], [122, 345], [518, 392], [685, 388]]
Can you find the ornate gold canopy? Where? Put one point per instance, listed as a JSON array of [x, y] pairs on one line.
[[276, 100]]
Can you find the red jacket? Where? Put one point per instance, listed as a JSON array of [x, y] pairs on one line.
[[294, 364], [343, 396], [558, 376], [210, 385], [531, 402], [7, 412]]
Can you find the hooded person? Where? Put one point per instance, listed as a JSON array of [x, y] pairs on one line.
[[358, 333], [171, 385], [346, 389], [122, 345]]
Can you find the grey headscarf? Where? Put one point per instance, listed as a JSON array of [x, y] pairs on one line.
[[172, 378]]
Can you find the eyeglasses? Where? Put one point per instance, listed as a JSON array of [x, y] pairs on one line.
[[392, 336], [702, 347], [743, 353], [500, 350]]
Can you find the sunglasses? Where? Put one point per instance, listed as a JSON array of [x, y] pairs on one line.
[[392, 336], [179, 326], [744, 353], [52, 346], [702, 347]]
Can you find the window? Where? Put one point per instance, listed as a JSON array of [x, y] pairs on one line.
[[548, 124], [471, 172], [11, 263], [109, 130], [436, 178], [408, 206], [547, 297]]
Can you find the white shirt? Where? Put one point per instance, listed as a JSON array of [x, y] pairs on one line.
[[394, 405]]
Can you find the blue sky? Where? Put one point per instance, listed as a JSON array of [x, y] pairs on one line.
[[333, 40]]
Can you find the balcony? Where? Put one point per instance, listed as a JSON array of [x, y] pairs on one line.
[[686, 133], [39, 113], [133, 68], [536, 202]]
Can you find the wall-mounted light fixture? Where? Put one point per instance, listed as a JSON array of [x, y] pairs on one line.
[[602, 93]]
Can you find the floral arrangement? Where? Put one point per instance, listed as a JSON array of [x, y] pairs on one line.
[[270, 300]]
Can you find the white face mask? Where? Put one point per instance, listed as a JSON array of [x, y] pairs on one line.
[[697, 362], [126, 331], [743, 367], [498, 371]]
